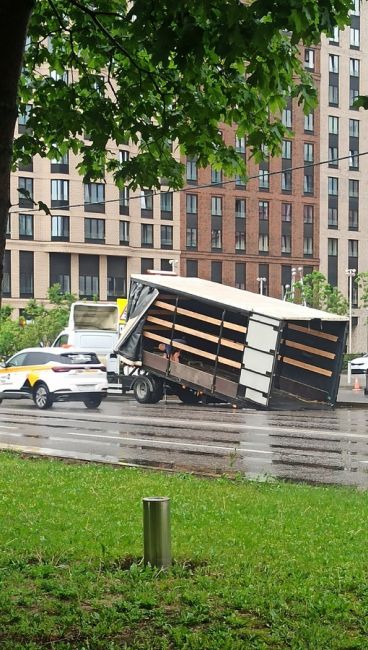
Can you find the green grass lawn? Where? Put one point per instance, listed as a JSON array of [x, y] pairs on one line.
[[256, 565]]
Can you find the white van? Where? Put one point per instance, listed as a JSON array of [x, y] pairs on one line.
[[93, 326]]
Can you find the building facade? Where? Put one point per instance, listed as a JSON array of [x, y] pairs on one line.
[[344, 183]]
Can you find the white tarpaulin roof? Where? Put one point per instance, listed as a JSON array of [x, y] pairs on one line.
[[236, 298]]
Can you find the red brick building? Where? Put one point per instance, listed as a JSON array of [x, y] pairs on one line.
[[236, 233]]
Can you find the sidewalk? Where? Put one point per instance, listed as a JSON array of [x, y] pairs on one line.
[[347, 396]]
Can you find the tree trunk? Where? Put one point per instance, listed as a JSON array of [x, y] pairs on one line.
[[14, 17]]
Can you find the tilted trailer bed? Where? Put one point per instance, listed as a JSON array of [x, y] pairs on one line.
[[232, 345]]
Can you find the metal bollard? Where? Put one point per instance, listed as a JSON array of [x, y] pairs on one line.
[[156, 531]]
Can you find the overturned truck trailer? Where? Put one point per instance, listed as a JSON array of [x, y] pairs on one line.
[[202, 338]]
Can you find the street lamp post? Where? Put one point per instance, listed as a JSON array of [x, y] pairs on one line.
[[262, 282], [350, 273]]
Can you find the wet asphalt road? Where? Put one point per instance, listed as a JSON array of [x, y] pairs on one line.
[[329, 446]]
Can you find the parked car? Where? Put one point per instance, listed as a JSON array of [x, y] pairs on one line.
[[49, 375], [359, 365]]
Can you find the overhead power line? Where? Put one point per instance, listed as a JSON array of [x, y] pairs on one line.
[[194, 188]]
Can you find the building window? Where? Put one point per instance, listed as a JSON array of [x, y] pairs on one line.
[[332, 247], [353, 95], [116, 277], [334, 36], [26, 274], [354, 128], [192, 268], [308, 185], [240, 208], [26, 226], [60, 165], [146, 264], [353, 219], [308, 246], [263, 210], [147, 202], [240, 271], [240, 144], [333, 63], [59, 76], [60, 270], [353, 248], [191, 168], [333, 157], [333, 124], [353, 159], [94, 197], [239, 240], [263, 179], [333, 95], [309, 122], [309, 59], [166, 199], [353, 188], [333, 218], [240, 182], [59, 194], [123, 156], [6, 285], [124, 200], [25, 187], [94, 230], [23, 119], [216, 206], [354, 38], [8, 227], [89, 281], [333, 186], [146, 235], [216, 176], [263, 243], [286, 117], [286, 149], [192, 203], [286, 211], [167, 237], [286, 244], [124, 228], [59, 228], [354, 67], [308, 152], [286, 180], [191, 241], [308, 213], [216, 238], [216, 271]]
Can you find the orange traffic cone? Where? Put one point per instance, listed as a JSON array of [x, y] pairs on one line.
[[356, 384]]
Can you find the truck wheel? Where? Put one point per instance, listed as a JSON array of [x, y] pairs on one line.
[[42, 397], [157, 389], [93, 402], [187, 395], [143, 390]]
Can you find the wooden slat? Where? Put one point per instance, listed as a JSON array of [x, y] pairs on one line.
[[308, 348], [202, 317], [306, 366], [188, 348], [309, 330], [200, 335]]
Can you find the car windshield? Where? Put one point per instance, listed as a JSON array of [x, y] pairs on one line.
[[89, 358]]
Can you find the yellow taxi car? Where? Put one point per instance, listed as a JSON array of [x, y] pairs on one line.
[[49, 375]]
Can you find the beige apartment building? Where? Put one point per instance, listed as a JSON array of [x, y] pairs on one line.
[[344, 183], [95, 238]]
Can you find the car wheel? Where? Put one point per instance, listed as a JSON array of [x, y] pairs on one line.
[[157, 389], [41, 396], [93, 402], [143, 390]]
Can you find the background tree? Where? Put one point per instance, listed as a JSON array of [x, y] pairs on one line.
[[38, 325], [152, 72], [314, 291]]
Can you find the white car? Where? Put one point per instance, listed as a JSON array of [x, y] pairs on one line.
[[359, 365], [49, 375]]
